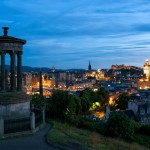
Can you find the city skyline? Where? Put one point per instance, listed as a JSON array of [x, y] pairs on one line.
[[67, 34]]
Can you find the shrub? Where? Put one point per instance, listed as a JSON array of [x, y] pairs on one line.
[[145, 129], [119, 125], [87, 123], [142, 139], [38, 101], [136, 126], [101, 128]]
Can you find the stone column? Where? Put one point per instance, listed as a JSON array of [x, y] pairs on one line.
[[32, 121], [19, 71], [13, 68], [107, 112], [6, 80], [43, 114], [3, 71], [40, 83], [1, 127]]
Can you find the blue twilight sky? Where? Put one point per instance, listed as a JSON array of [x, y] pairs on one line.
[[69, 33]]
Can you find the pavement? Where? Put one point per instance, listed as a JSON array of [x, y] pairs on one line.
[[35, 141]]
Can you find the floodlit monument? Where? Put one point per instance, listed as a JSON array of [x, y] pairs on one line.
[[13, 101], [15, 113]]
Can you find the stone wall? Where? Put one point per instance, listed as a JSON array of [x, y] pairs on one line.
[[14, 110]]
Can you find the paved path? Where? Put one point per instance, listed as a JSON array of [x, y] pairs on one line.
[[31, 142]]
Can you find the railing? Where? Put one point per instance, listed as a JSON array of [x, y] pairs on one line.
[[16, 125]]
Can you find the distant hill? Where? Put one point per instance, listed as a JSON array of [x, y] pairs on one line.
[[30, 69], [37, 69], [34, 69], [75, 69]]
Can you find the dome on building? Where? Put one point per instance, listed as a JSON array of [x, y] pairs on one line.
[[146, 63]]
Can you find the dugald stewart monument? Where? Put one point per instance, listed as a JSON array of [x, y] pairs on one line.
[[13, 101]]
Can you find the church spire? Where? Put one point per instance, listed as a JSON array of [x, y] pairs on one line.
[[89, 67]]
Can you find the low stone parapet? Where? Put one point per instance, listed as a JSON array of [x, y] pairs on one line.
[[13, 97]]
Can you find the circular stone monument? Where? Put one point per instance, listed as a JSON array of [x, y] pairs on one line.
[[13, 101]]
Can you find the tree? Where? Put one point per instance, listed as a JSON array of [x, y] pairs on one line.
[[104, 94], [38, 101], [88, 97], [62, 105], [86, 104], [92, 101], [119, 125], [90, 94], [122, 101], [78, 105]]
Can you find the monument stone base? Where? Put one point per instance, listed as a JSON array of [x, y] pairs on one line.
[[14, 104]]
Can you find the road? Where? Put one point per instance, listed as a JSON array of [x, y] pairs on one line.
[[31, 142]]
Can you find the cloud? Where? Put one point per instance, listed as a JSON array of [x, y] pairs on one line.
[[6, 21], [69, 33]]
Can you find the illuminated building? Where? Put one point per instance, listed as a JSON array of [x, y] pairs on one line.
[[53, 78], [62, 76], [144, 83], [146, 68], [98, 74], [114, 67]]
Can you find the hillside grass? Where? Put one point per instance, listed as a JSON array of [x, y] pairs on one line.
[[63, 133]]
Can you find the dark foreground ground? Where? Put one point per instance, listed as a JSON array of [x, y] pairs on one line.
[[36, 141], [31, 142]]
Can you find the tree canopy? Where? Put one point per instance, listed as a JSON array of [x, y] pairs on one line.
[[104, 96], [122, 101], [119, 125], [93, 99], [63, 105], [38, 101]]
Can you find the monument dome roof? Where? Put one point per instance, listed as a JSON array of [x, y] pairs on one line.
[[10, 39]]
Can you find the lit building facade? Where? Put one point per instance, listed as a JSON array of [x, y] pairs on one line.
[[146, 68], [98, 74]]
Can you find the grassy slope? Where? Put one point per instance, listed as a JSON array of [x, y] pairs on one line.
[[62, 133]]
